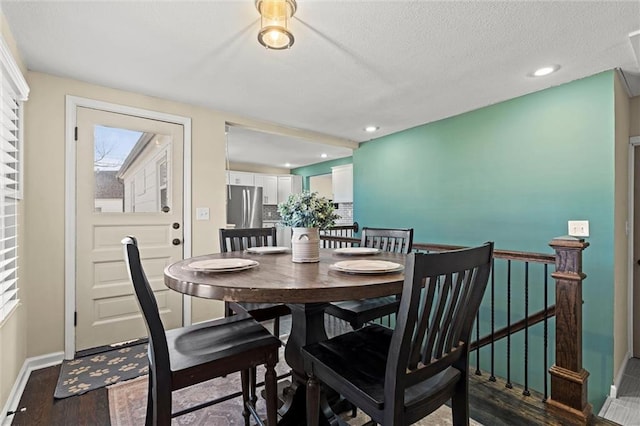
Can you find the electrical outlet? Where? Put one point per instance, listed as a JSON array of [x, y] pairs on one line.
[[202, 213], [579, 228]]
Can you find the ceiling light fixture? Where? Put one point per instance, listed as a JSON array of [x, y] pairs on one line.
[[274, 19], [323, 155], [287, 164], [371, 129], [540, 72]]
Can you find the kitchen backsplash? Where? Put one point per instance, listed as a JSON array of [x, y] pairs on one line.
[[270, 213], [345, 210]]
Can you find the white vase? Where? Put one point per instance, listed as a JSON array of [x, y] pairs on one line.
[[305, 245]]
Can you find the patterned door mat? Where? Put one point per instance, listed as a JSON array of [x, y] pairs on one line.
[[91, 372]]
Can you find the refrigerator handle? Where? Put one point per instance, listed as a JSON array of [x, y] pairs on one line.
[[248, 224], [249, 208], [244, 208]]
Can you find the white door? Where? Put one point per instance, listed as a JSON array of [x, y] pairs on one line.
[[128, 182]]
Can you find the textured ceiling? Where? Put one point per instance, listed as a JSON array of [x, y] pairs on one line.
[[395, 64]]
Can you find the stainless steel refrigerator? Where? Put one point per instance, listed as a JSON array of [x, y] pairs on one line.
[[244, 206]]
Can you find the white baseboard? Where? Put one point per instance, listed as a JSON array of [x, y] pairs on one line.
[[30, 364], [613, 393]]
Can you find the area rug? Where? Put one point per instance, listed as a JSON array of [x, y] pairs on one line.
[[91, 372], [128, 402]]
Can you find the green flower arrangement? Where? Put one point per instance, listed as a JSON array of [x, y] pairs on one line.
[[307, 210]]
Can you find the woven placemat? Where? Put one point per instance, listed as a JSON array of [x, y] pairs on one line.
[[91, 372]]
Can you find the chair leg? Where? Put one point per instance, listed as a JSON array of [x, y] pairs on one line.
[[276, 327], [159, 399], [245, 380], [460, 403], [253, 380], [356, 324], [149, 419], [271, 389], [313, 401]]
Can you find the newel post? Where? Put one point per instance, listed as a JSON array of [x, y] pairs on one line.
[[568, 378]]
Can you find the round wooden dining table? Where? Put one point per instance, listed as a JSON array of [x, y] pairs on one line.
[[306, 288]]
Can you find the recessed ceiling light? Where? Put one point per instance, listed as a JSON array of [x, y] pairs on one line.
[[371, 129], [287, 164], [323, 155], [540, 72]]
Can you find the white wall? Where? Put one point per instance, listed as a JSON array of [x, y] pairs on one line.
[[621, 210], [256, 168], [45, 130], [45, 192], [322, 184], [634, 124]]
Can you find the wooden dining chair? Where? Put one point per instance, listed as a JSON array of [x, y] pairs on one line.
[[359, 312], [399, 376], [242, 239], [185, 356]]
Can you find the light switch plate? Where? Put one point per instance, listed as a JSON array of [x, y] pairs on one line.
[[202, 213], [579, 228]]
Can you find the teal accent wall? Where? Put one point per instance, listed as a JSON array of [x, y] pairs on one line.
[[319, 169], [513, 173]]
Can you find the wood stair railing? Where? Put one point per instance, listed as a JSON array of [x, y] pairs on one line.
[[568, 377], [514, 328]]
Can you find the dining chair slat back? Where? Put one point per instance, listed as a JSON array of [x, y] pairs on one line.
[[359, 312], [242, 239], [423, 362], [388, 240], [197, 353]]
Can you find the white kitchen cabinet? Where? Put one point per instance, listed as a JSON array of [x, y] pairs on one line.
[[241, 178], [269, 185], [287, 185], [284, 188], [296, 184], [275, 188], [342, 183]]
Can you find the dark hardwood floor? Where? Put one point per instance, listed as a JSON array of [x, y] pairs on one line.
[[491, 404], [40, 408]]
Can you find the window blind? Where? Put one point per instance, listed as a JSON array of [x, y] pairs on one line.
[[13, 91]]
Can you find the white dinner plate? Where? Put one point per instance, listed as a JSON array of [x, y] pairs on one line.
[[357, 251], [222, 265], [367, 266], [267, 250]]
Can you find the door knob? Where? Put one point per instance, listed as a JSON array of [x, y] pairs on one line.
[[166, 209], [176, 241], [175, 225]]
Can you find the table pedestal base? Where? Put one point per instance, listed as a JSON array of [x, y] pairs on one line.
[[307, 326]]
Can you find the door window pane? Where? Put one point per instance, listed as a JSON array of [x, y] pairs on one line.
[[130, 170]]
